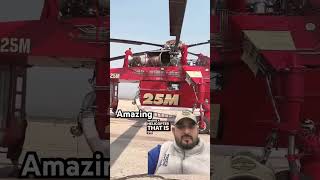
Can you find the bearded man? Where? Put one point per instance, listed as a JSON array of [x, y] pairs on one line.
[[187, 154]]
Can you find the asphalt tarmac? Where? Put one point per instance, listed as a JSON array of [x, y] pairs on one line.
[[48, 138]]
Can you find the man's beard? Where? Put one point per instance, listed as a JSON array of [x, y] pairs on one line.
[[187, 146]]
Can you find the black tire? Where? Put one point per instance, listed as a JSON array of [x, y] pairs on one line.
[[283, 175], [113, 113], [206, 129], [114, 110], [76, 131]]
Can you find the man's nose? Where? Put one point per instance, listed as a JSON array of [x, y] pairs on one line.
[[187, 131]]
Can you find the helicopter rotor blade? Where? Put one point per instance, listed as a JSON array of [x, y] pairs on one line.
[[199, 55], [195, 54], [134, 42], [176, 10], [123, 56], [199, 44], [117, 58]]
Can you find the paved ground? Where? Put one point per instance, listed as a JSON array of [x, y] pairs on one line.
[[49, 139]]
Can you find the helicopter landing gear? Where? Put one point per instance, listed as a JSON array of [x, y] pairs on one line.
[[76, 131], [15, 169], [14, 152], [114, 110], [285, 175]]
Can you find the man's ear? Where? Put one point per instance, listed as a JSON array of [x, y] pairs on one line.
[[173, 129]]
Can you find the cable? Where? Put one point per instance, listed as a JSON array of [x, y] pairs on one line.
[[77, 146], [272, 139], [272, 99]]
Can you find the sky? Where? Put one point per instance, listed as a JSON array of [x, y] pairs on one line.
[[148, 20]]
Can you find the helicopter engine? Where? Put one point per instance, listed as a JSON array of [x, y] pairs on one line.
[[151, 59]]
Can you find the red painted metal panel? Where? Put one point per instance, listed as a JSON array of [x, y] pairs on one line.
[[245, 103], [53, 37], [171, 73], [186, 95], [246, 108], [157, 85], [256, 22], [102, 97], [247, 115]]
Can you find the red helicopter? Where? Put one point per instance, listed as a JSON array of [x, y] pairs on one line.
[[66, 34], [167, 78], [266, 68]]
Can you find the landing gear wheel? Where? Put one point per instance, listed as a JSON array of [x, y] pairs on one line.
[[76, 131], [113, 112], [15, 169], [204, 127], [283, 175]]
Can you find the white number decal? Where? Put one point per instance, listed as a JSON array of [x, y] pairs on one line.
[[4, 44], [161, 99], [15, 45], [148, 98], [114, 76]]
